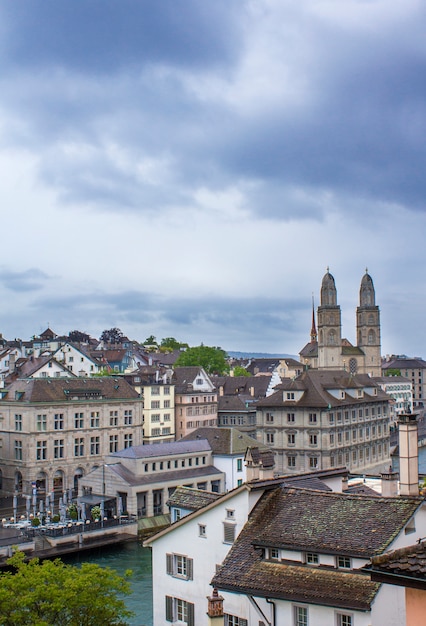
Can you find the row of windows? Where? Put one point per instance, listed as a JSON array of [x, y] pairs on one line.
[[313, 558], [156, 432], [356, 414], [166, 465], [155, 391], [157, 417], [93, 420], [205, 409], [156, 404], [81, 447]]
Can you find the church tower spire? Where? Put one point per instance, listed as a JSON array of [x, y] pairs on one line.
[[368, 326], [314, 335], [329, 325]]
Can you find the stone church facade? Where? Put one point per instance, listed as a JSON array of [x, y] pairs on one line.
[[328, 350]]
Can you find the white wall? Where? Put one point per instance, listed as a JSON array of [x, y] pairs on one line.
[[206, 552]]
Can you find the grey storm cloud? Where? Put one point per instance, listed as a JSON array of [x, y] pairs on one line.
[[117, 74], [32, 279]]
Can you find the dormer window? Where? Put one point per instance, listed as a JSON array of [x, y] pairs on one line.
[[274, 554], [343, 562], [290, 395], [312, 558]]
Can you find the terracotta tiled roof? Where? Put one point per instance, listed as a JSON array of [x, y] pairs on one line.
[[325, 522], [313, 521], [63, 389], [408, 562], [246, 571], [191, 499]]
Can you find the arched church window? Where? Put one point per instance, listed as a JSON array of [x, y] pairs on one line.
[[331, 338], [353, 366], [371, 319], [371, 337]]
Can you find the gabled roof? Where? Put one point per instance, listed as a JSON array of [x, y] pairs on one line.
[[152, 450], [313, 521], [191, 499], [224, 441], [184, 377]]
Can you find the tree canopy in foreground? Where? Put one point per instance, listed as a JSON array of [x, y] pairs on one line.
[[213, 360], [52, 593]]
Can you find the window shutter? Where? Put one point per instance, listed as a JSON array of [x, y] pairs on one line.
[[190, 568], [190, 608], [228, 533], [169, 564], [169, 609]]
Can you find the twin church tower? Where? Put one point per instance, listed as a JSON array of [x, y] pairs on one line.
[[328, 350]]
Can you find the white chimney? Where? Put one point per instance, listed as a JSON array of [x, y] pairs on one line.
[[408, 455]]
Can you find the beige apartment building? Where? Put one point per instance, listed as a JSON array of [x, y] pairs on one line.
[[325, 419], [55, 430], [158, 392]]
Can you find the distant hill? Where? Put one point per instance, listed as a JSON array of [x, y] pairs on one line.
[[260, 355]]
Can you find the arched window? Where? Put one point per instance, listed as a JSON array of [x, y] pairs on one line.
[[353, 366], [371, 337]]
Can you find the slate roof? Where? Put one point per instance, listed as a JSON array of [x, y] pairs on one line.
[[246, 571], [408, 563], [263, 366], [232, 404], [154, 450], [191, 499], [62, 389], [186, 474], [234, 385], [224, 441], [404, 364]]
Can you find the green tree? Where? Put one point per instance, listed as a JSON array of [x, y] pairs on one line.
[[112, 335], [78, 336], [52, 593], [240, 371], [213, 360], [393, 372], [170, 344], [150, 341]]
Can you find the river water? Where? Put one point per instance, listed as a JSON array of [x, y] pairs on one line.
[[121, 558]]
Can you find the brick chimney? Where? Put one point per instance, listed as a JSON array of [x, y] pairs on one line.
[[408, 455], [215, 609]]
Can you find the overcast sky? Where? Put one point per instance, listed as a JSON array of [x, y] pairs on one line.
[[191, 168]]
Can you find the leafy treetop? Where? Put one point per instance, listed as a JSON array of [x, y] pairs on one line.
[[113, 335], [52, 593], [213, 360], [240, 371]]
